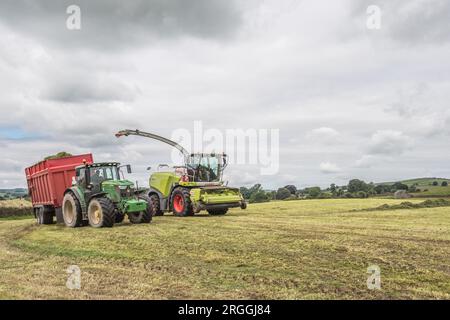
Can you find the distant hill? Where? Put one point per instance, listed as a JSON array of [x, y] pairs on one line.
[[425, 187], [420, 182], [13, 193]]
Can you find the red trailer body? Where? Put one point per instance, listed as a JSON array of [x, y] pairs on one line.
[[48, 179]]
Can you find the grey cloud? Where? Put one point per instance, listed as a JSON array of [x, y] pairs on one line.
[[90, 88], [107, 24], [389, 142]]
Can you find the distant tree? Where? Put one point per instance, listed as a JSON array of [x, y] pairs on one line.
[[435, 183], [313, 192], [356, 185], [362, 194], [247, 192], [399, 186], [259, 196], [444, 183], [380, 189], [292, 189], [333, 188], [283, 193]]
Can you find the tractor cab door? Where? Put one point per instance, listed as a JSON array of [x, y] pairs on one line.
[[80, 177]]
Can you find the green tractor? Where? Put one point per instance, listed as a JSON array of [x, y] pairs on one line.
[[197, 185], [100, 197]]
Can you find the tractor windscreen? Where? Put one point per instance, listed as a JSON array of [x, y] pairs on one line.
[[100, 174], [206, 168]]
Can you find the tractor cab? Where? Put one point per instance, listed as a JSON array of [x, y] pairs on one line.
[[202, 167], [93, 176]]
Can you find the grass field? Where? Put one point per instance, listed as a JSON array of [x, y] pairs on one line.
[[317, 249]]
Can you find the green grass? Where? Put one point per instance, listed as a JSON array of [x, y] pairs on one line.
[[318, 249]]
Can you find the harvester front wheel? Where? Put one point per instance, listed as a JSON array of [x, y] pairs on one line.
[[71, 210], [101, 213], [218, 212], [154, 199], [181, 203]]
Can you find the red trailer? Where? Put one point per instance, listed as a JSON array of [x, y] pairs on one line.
[[47, 181]]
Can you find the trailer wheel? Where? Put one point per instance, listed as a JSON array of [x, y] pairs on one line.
[[154, 199], [71, 211], [101, 213], [47, 215], [218, 212], [181, 203]]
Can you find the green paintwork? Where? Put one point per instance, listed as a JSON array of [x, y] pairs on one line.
[[114, 190], [163, 182], [128, 203]]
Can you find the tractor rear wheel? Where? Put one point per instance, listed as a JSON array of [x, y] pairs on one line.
[[71, 210], [181, 203], [101, 213], [154, 199], [218, 212], [143, 216]]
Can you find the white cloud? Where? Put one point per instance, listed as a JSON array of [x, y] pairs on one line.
[[329, 168]]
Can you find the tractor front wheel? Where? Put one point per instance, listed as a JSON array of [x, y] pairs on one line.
[[218, 212], [181, 203], [101, 213], [143, 216]]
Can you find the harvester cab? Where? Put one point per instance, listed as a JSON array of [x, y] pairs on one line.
[[102, 196], [194, 186]]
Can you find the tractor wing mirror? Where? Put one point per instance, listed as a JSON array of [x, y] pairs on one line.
[[149, 168], [128, 169]]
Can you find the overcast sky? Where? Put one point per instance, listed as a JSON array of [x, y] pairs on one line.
[[349, 101]]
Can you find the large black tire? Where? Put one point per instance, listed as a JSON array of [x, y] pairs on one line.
[[44, 215], [154, 198], [101, 213], [143, 216], [148, 214], [71, 211], [180, 202], [218, 212]]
